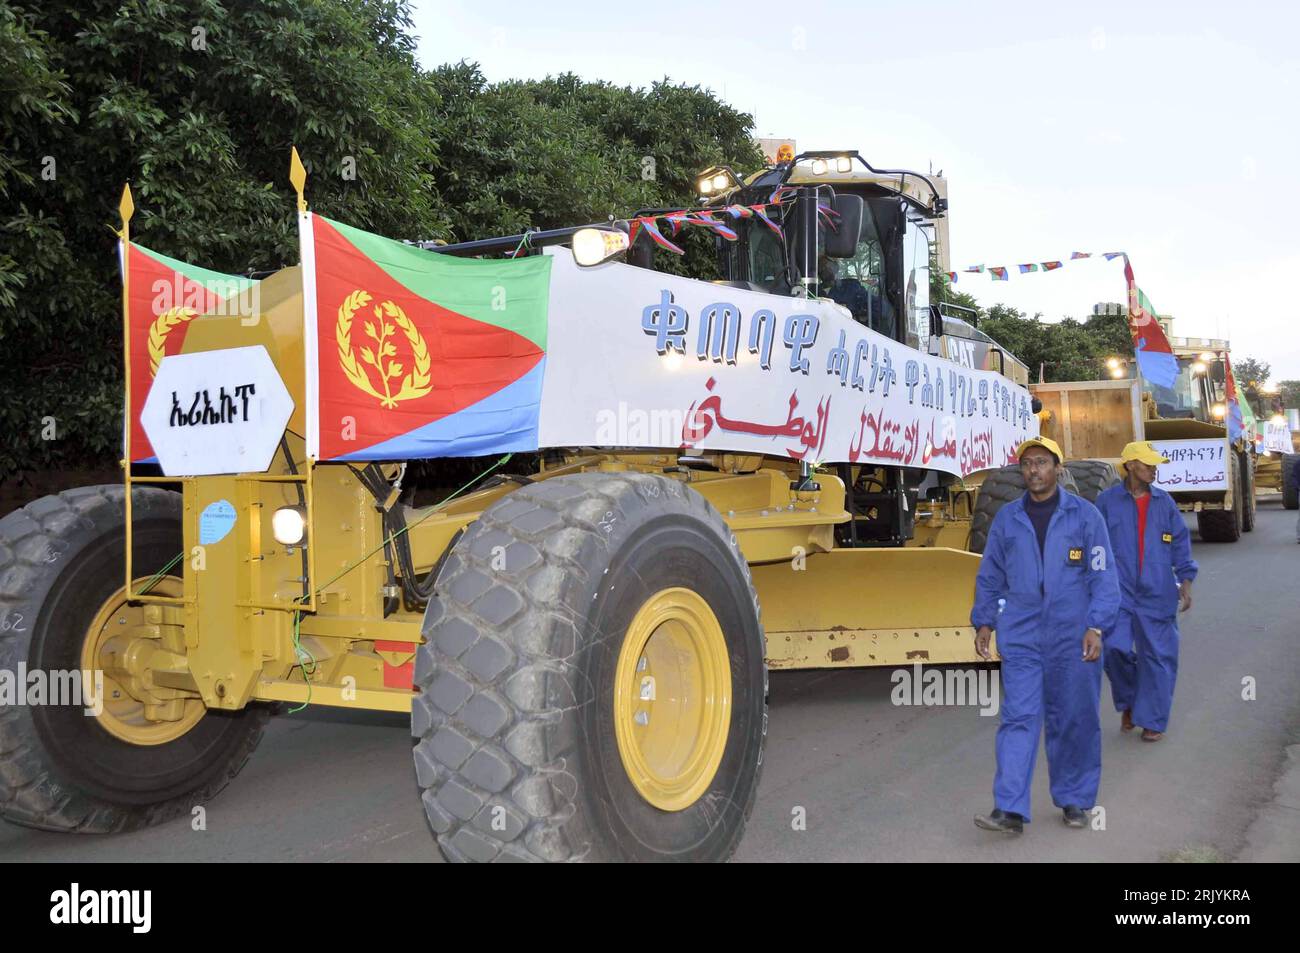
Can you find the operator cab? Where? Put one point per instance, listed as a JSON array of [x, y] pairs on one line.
[[1195, 393], [858, 236]]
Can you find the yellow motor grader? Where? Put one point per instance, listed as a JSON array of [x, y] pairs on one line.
[[583, 647]]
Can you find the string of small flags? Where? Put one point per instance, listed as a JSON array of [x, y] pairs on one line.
[[1003, 272], [704, 218]]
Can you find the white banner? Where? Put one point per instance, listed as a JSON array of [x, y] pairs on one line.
[[1277, 437], [637, 358], [1193, 464]]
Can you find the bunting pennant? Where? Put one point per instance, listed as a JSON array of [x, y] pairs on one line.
[[705, 219], [829, 216], [758, 210], [1001, 272], [952, 277], [1155, 358], [708, 221], [648, 223], [677, 220]]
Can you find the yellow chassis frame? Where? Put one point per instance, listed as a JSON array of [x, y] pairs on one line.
[[257, 629]]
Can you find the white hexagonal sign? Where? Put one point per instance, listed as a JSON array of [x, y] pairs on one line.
[[216, 412]]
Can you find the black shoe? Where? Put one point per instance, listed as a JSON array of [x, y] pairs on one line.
[[1000, 821], [1074, 816]]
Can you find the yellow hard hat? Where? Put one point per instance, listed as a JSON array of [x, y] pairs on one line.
[[1142, 452], [1046, 443]]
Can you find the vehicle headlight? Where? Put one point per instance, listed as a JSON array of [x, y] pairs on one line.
[[1219, 411], [591, 246], [289, 525]]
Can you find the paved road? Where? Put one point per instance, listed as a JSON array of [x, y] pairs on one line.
[[874, 781]]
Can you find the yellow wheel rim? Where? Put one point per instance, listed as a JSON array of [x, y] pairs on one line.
[[672, 698], [123, 716]]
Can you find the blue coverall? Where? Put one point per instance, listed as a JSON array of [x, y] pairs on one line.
[[1051, 598], [1142, 651]]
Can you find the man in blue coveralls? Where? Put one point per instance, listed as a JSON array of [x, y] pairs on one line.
[[1047, 561], [1153, 552]]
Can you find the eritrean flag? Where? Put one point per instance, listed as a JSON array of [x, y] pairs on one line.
[[1051, 265], [1155, 357], [1076, 255], [163, 296], [413, 354], [1025, 269], [1241, 419], [998, 272]]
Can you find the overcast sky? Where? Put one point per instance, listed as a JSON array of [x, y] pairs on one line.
[[1167, 130]]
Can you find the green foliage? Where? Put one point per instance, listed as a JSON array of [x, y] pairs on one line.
[[1067, 350], [1289, 393], [196, 103], [1250, 372]]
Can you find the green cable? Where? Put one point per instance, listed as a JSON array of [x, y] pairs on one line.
[[153, 580], [299, 650], [432, 510], [298, 613]]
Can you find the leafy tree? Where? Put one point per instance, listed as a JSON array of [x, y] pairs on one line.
[[1068, 350], [197, 102], [562, 151], [1289, 393], [1250, 372], [1251, 376]]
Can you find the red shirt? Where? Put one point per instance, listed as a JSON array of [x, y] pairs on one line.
[[1142, 502]]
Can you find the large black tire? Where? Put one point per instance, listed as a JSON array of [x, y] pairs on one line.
[[1224, 526], [1246, 463], [998, 489], [516, 754], [61, 559], [1290, 487], [1092, 477]]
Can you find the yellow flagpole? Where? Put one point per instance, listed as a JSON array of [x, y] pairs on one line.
[[126, 208]]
